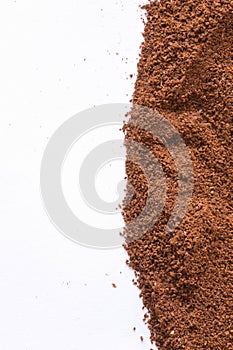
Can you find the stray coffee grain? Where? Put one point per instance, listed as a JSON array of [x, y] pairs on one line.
[[185, 73]]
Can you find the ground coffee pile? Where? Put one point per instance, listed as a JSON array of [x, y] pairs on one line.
[[186, 74]]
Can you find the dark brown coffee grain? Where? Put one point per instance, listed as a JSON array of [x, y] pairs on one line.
[[185, 73]]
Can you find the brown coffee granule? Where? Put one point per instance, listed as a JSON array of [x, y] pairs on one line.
[[114, 285], [185, 276]]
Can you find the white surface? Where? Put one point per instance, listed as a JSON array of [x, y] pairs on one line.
[[54, 293], [106, 181]]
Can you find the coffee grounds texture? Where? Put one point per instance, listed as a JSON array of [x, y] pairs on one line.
[[185, 276]]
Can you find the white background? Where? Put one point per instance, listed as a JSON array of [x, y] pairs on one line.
[[58, 58]]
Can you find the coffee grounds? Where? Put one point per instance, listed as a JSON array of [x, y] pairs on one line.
[[185, 73]]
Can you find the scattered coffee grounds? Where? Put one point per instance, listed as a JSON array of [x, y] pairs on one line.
[[185, 276]]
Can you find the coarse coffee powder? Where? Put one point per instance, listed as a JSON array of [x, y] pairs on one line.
[[185, 276]]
